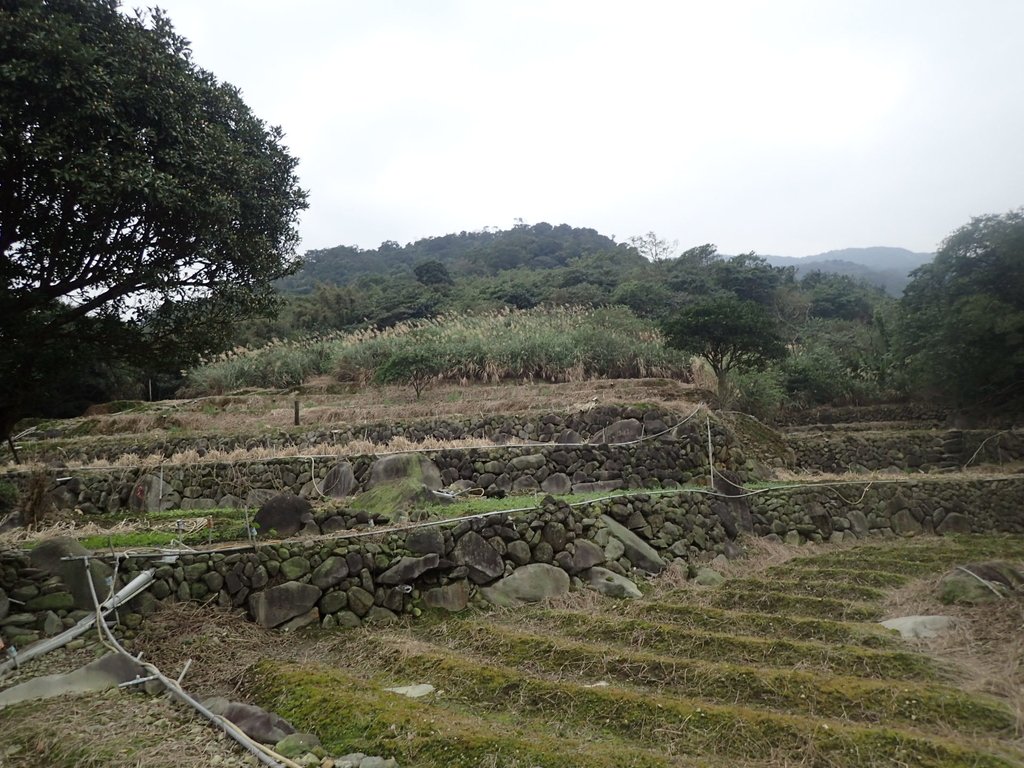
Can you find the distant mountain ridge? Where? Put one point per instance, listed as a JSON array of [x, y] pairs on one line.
[[884, 266], [545, 247]]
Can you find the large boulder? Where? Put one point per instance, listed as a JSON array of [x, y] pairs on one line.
[[954, 522], [482, 560], [569, 437], [47, 556], [399, 500], [148, 495], [283, 516], [340, 481], [587, 555], [424, 541], [451, 597], [528, 461], [408, 569], [979, 583], [265, 727], [556, 484], [733, 507], [330, 572], [641, 554], [528, 584], [622, 431], [612, 584], [913, 627], [405, 466], [273, 607], [100, 675]]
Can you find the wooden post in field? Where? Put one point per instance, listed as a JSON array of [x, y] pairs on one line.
[[296, 411]]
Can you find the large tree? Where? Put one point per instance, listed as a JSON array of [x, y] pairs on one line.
[[962, 329], [143, 207], [729, 332]]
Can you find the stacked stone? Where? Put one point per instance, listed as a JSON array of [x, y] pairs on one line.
[[54, 445], [669, 460], [33, 604], [502, 558]]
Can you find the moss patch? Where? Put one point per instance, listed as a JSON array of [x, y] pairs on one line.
[[874, 701], [869, 635], [673, 725], [668, 638]]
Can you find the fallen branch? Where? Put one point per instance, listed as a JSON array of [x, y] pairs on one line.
[[262, 753]]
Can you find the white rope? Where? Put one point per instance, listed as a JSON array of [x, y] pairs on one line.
[[990, 437]]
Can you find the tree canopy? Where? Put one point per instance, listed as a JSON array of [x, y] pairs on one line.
[[962, 329], [728, 332], [143, 207]]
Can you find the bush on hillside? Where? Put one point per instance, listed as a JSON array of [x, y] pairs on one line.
[[549, 344]]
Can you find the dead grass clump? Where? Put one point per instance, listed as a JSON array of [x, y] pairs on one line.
[[222, 644], [67, 525], [267, 411], [35, 507], [987, 644], [98, 730]]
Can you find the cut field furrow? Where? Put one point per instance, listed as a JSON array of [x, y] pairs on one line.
[[755, 651], [869, 635], [866, 700], [765, 598], [809, 574], [676, 726], [918, 558], [350, 712], [835, 590]]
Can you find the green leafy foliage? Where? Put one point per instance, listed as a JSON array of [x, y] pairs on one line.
[[729, 333], [8, 496], [143, 207], [413, 364], [548, 344], [759, 393], [962, 316]]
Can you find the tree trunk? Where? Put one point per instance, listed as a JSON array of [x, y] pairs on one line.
[[723, 388]]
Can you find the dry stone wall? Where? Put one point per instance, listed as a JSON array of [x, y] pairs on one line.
[[905, 450], [672, 459], [351, 580], [55, 446], [885, 412]]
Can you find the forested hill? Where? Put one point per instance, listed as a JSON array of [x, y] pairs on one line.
[[543, 246], [888, 268], [468, 254]]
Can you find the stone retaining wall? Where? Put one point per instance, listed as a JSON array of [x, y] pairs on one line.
[[935, 415], [351, 580], [672, 459], [905, 450], [54, 446]]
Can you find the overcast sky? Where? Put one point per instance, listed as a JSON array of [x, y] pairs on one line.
[[786, 127]]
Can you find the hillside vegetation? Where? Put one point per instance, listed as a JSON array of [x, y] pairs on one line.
[[553, 344]]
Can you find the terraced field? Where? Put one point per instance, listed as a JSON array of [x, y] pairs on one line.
[[785, 666]]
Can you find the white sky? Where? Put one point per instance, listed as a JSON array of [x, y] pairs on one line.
[[786, 127]]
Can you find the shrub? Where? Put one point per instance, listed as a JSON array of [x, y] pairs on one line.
[[551, 344], [759, 393]]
